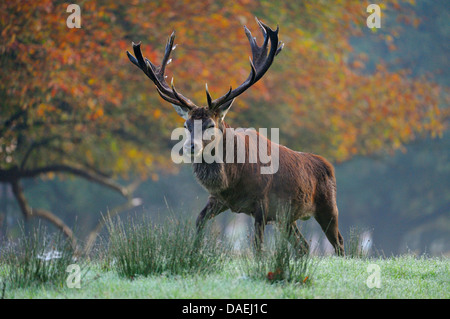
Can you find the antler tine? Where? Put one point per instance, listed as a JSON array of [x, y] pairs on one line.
[[208, 96], [132, 58], [177, 95], [264, 33], [167, 51], [280, 47], [261, 59], [168, 98], [156, 74], [260, 62]]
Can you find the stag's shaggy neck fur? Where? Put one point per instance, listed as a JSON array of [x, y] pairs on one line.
[[213, 176]]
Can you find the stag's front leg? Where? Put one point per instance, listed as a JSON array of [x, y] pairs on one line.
[[213, 208]]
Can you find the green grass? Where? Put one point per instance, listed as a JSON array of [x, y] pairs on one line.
[[334, 277], [141, 247], [143, 259], [282, 260], [36, 259]]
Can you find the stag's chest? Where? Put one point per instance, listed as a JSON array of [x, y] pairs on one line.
[[211, 176]]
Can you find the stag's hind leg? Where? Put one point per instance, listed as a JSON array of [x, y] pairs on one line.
[[299, 242], [260, 215], [327, 217]]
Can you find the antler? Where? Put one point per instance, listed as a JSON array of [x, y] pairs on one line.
[[260, 64], [156, 74]]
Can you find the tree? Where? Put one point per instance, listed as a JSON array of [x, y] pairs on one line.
[[73, 104]]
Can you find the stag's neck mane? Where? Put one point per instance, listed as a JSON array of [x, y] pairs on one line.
[[212, 176]]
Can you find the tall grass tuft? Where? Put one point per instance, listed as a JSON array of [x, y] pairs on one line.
[[354, 245], [36, 258], [280, 259], [144, 248]]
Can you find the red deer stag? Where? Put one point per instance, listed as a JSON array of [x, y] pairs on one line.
[[303, 181]]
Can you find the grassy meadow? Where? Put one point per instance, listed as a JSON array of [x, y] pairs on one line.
[[142, 259]]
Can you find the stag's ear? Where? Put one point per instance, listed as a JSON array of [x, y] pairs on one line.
[[182, 111], [223, 109]]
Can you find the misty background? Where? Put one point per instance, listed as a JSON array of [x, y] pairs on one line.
[[399, 201]]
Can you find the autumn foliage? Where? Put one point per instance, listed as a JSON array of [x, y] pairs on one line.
[[73, 94], [71, 97]]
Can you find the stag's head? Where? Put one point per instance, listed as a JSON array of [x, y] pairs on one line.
[[210, 116]]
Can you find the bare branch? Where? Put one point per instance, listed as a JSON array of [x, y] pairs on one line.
[[5, 125], [35, 145], [78, 171], [132, 202], [29, 212]]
